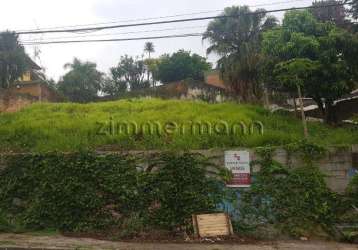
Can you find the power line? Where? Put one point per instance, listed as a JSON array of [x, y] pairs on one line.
[[119, 33], [116, 40], [175, 21], [160, 17]]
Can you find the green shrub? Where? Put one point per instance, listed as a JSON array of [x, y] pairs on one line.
[[352, 190], [74, 192], [182, 185], [296, 201], [4, 223]]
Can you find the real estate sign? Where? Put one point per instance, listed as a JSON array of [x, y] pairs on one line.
[[238, 162]]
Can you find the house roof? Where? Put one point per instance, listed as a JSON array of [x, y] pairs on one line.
[[32, 64], [310, 104], [213, 78]]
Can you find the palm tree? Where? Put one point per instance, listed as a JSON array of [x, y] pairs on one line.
[[237, 41], [149, 48], [82, 82]]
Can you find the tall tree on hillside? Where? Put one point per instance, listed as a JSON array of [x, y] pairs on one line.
[[329, 55], [181, 65], [82, 83], [237, 41], [152, 68], [12, 59], [148, 48], [130, 72]]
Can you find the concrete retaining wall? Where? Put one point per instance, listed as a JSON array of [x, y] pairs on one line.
[[339, 165]]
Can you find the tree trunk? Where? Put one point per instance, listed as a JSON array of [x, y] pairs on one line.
[[295, 105], [304, 122], [148, 73]]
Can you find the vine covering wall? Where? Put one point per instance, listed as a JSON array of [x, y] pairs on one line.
[[129, 194], [88, 192]]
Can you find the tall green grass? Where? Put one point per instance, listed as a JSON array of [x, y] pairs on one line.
[[68, 126]]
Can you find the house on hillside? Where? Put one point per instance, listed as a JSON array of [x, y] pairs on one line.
[[345, 107], [29, 88], [212, 89], [213, 78]]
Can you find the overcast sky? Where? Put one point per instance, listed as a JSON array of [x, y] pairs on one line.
[[39, 14]]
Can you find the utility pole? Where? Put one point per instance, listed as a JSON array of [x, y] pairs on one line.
[[304, 122]]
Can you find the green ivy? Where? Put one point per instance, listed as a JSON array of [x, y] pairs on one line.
[[86, 192], [183, 185], [307, 151], [70, 192], [352, 190], [296, 201]]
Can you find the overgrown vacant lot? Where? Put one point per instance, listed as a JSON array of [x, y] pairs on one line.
[[47, 127]]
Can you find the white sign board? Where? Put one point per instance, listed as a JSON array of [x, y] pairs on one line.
[[238, 162]]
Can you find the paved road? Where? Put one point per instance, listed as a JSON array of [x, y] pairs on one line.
[[17, 241]]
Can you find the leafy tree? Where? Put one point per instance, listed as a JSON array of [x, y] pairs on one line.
[[329, 53], [130, 71], [12, 59], [296, 72], [335, 14], [294, 75], [237, 41], [112, 87], [181, 65], [82, 82], [152, 68]]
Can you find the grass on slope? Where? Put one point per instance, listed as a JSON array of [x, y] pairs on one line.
[[66, 127], [355, 118]]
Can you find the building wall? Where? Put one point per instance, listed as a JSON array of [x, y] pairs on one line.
[[30, 89], [214, 79], [23, 95], [26, 77], [344, 110], [205, 94], [14, 103], [187, 90]]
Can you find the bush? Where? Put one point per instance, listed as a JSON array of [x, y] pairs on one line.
[[296, 201], [352, 190], [181, 186], [73, 192]]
